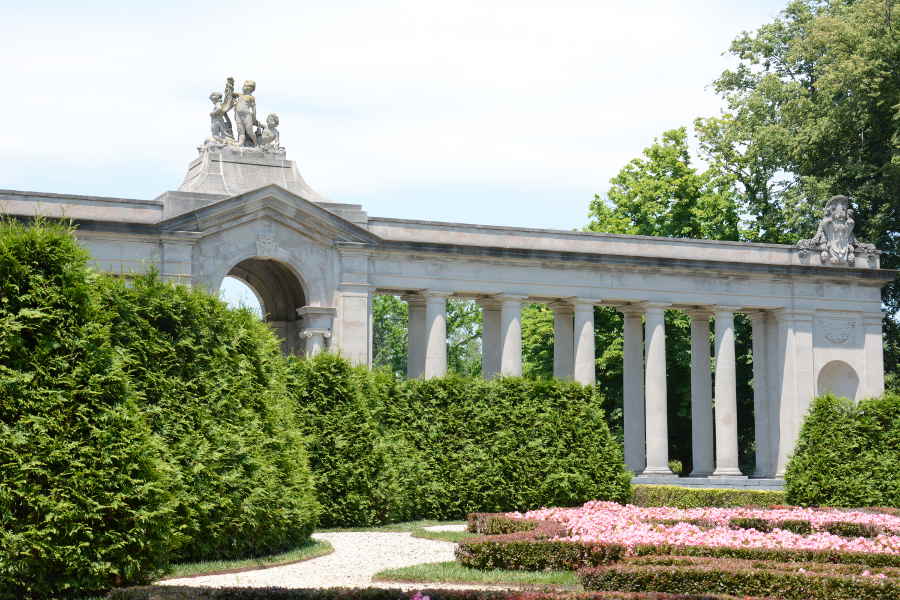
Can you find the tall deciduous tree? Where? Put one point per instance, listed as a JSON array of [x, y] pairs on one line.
[[813, 109]]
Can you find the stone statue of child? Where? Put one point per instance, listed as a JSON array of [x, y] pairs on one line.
[[245, 115], [270, 139], [220, 124]]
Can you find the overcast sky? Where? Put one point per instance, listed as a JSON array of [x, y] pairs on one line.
[[499, 112]]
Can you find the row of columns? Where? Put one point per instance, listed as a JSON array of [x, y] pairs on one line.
[[714, 426]]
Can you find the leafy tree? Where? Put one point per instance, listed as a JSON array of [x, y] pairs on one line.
[[812, 110], [391, 317]]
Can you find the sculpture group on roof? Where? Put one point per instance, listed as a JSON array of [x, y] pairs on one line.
[[247, 132]]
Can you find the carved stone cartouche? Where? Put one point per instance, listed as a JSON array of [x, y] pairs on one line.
[[834, 241]]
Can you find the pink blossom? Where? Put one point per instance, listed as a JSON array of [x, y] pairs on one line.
[[632, 526]]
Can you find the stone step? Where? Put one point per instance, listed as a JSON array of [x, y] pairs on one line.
[[713, 482]]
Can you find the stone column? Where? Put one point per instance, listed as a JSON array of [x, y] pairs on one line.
[[701, 395], [761, 400], [563, 340], [655, 390], [490, 338], [415, 337], [317, 326], [510, 334], [436, 333], [633, 389], [726, 395], [585, 354], [315, 340]]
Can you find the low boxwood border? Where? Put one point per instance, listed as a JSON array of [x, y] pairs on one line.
[[738, 581]]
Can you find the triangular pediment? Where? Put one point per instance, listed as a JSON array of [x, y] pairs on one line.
[[270, 202]]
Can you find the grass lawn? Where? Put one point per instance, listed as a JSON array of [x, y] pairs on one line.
[[443, 536], [310, 549], [453, 572]]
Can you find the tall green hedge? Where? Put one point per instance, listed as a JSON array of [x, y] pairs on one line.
[[387, 450], [212, 384], [848, 454], [139, 424], [85, 498]]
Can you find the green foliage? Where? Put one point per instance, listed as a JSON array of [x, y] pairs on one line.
[[736, 578], [847, 454], [332, 403], [683, 497], [661, 194], [390, 317], [501, 445], [371, 593], [385, 449], [211, 381], [84, 494], [812, 110]]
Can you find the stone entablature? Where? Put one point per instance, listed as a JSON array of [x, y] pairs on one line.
[[244, 211]]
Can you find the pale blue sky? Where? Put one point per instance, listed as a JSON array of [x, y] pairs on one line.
[[501, 112]]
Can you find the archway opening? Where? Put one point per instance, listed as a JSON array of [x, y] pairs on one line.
[[838, 378], [278, 292]]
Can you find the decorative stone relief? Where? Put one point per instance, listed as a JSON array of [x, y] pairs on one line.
[[837, 331], [265, 241], [834, 240], [248, 133]]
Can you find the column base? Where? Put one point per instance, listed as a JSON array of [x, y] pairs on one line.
[[658, 472], [729, 473]]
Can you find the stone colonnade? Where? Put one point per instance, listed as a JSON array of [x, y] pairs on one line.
[[713, 406]]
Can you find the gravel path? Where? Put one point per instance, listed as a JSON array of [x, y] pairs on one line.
[[356, 558]]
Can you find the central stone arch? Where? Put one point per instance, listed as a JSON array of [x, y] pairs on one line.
[[281, 292]]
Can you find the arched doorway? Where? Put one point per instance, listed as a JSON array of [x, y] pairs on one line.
[[280, 292], [838, 378]]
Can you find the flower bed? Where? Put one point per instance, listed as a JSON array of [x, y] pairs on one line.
[[636, 528]]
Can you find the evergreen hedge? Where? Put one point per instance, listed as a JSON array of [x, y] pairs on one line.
[[212, 384], [84, 490], [139, 424], [847, 454], [387, 450]]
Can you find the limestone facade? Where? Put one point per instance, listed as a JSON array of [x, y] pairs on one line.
[[316, 266]]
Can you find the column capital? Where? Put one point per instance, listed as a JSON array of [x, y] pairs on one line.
[[510, 297], [722, 308], [656, 307], [561, 306], [699, 313], [790, 314], [413, 298], [488, 302], [580, 303], [435, 295], [311, 332], [631, 310]]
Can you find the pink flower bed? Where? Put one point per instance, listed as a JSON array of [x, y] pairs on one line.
[[633, 526]]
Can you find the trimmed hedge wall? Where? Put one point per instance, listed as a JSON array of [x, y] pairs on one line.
[[138, 424], [197, 593], [211, 382], [737, 580], [683, 497], [848, 454], [391, 450], [84, 491]]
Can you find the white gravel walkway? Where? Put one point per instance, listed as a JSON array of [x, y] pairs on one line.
[[356, 558]]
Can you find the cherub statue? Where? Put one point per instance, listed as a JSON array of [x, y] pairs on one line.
[[245, 115], [270, 139], [834, 239], [220, 124]]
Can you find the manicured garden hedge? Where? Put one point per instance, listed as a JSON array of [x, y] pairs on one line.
[[737, 579], [137, 425], [198, 593], [683, 497], [387, 450], [848, 454]]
